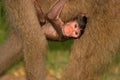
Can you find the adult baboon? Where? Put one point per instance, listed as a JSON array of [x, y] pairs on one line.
[[89, 55]]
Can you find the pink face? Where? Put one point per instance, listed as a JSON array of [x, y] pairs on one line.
[[71, 29]]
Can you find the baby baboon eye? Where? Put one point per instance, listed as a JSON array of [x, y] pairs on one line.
[[76, 25]]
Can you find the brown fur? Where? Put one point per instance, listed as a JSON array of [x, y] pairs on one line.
[[21, 18], [100, 42], [89, 55], [9, 51]]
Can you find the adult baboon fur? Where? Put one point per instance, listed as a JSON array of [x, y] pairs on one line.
[[21, 18], [89, 55], [100, 42]]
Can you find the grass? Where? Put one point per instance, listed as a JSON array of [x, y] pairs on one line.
[[3, 26]]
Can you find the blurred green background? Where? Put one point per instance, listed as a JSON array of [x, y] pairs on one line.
[[57, 56]]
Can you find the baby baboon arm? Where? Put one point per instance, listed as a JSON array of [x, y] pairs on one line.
[[54, 19], [40, 14], [54, 13]]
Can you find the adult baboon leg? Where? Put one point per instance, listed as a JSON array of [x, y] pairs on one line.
[[9, 52], [21, 17], [92, 53]]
